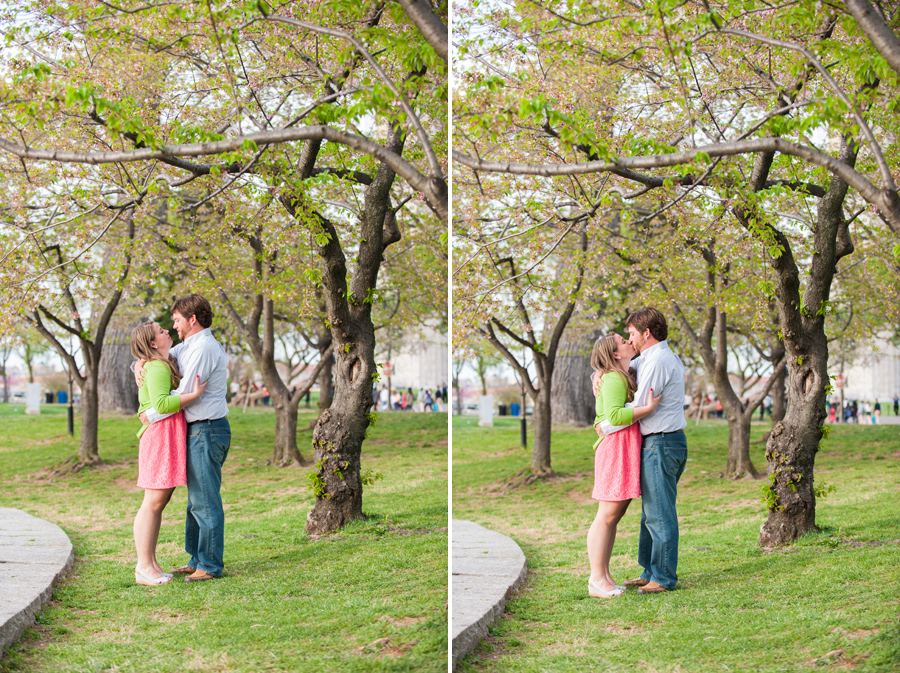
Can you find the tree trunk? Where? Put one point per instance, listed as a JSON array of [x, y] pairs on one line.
[[779, 398], [326, 381], [738, 463], [116, 389], [457, 396], [571, 395], [543, 421], [286, 451], [88, 450], [792, 448], [338, 438]]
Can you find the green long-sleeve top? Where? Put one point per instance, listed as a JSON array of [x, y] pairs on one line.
[[154, 392], [610, 405]]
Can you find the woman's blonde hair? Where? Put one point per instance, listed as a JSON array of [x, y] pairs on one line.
[[142, 338], [603, 360]]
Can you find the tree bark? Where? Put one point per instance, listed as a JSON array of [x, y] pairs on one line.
[[571, 397], [88, 447], [326, 377], [116, 388], [543, 423], [779, 398], [738, 462]]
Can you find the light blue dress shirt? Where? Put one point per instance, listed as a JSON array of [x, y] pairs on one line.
[[201, 354], [659, 368]]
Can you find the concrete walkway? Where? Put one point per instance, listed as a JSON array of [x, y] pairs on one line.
[[33, 554], [487, 567]]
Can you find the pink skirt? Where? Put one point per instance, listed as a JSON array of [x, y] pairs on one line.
[[162, 460], [617, 465]]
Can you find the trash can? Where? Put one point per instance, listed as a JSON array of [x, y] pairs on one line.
[[501, 409], [49, 398], [514, 409], [62, 396]]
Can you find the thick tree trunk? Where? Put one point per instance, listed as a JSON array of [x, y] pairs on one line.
[[338, 438], [116, 388], [88, 450], [571, 396], [792, 448], [543, 421]]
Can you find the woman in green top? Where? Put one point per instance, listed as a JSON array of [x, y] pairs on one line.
[[617, 455], [162, 459]]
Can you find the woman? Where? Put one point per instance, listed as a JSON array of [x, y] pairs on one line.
[[162, 460], [617, 455]]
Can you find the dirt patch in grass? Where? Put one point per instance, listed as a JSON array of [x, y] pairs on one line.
[[71, 467], [386, 647], [839, 659], [200, 662], [401, 621], [511, 451]]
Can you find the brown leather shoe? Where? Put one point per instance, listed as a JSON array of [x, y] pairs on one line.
[[652, 588], [183, 570], [200, 576], [639, 582]]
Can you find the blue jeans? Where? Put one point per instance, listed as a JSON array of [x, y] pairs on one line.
[[663, 458], [204, 526]]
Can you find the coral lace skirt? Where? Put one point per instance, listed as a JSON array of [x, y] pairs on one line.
[[162, 459], [617, 465]]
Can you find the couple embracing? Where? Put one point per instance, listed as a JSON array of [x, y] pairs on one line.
[[642, 451], [184, 439]]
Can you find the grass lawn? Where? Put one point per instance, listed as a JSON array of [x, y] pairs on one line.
[[371, 598], [830, 601]]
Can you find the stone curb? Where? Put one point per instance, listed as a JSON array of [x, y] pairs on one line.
[[34, 554], [487, 567]]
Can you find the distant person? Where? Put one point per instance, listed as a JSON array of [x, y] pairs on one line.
[[617, 455], [896, 405], [428, 401], [876, 412], [162, 457]]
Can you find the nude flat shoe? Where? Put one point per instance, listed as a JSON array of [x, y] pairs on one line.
[[595, 591], [146, 581]]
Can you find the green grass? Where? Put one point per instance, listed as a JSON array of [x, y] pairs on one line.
[[829, 601], [370, 598]]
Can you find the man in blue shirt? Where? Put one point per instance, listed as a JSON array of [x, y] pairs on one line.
[[663, 450]]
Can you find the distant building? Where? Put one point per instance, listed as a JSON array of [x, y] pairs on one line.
[[873, 375], [419, 359]]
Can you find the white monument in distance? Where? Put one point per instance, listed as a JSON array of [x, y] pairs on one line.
[[486, 411], [33, 398]]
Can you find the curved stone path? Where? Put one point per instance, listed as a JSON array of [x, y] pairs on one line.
[[487, 567], [33, 555]]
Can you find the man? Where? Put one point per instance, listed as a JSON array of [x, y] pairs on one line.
[[663, 450], [209, 436]]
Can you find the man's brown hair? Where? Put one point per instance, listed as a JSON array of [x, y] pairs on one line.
[[649, 318], [194, 305]]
